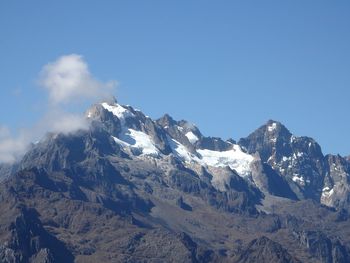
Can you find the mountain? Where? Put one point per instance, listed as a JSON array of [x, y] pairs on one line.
[[300, 160], [133, 189]]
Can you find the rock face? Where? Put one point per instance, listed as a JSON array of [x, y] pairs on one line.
[[30, 242], [310, 174], [336, 190], [325, 249], [265, 250], [131, 189]]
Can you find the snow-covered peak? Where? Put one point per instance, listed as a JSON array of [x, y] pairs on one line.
[[136, 140], [274, 128], [118, 110], [132, 137], [234, 158]]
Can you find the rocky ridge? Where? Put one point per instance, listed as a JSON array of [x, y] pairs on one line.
[[130, 185]]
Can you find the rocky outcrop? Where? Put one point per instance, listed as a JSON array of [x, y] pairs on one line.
[[325, 249], [180, 203], [28, 241], [336, 188], [300, 161], [265, 250]]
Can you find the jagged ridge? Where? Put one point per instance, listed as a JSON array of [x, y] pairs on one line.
[[130, 185]]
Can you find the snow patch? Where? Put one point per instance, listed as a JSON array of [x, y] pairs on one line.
[[137, 140], [326, 189], [236, 159], [130, 138], [292, 138], [141, 141], [327, 192], [299, 180], [272, 127], [118, 110], [284, 158], [191, 137], [181, 151]]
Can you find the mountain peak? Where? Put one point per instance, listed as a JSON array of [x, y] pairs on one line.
[[111, 100], [166, 120], [129, 170], [271, 132], [272, 125]]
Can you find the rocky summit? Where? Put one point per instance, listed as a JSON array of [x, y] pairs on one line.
[[134, 189]]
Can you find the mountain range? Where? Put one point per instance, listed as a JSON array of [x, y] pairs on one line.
[[133, 189]]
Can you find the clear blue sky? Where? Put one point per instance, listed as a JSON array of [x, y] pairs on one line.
[[227, 66]]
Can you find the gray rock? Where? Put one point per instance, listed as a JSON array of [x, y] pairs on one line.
[[324, 248], [84, 197], [265, 250]]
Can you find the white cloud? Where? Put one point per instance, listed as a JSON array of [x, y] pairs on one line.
[[64, 122], [4, 132], [68, 79], [11, 147]]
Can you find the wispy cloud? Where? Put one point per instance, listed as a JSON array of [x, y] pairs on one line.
[[67, 81], [12, 147], [17, 92], [4, 132], [64, 122]]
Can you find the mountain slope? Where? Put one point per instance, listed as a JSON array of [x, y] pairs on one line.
[[131, 189]]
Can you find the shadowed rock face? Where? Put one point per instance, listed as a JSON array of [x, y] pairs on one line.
[[28, 241], [270, 181], [131, 189]]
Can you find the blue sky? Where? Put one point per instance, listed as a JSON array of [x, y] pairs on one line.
[[227, 66]]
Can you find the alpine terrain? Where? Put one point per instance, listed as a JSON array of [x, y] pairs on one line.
[[133, 189]]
